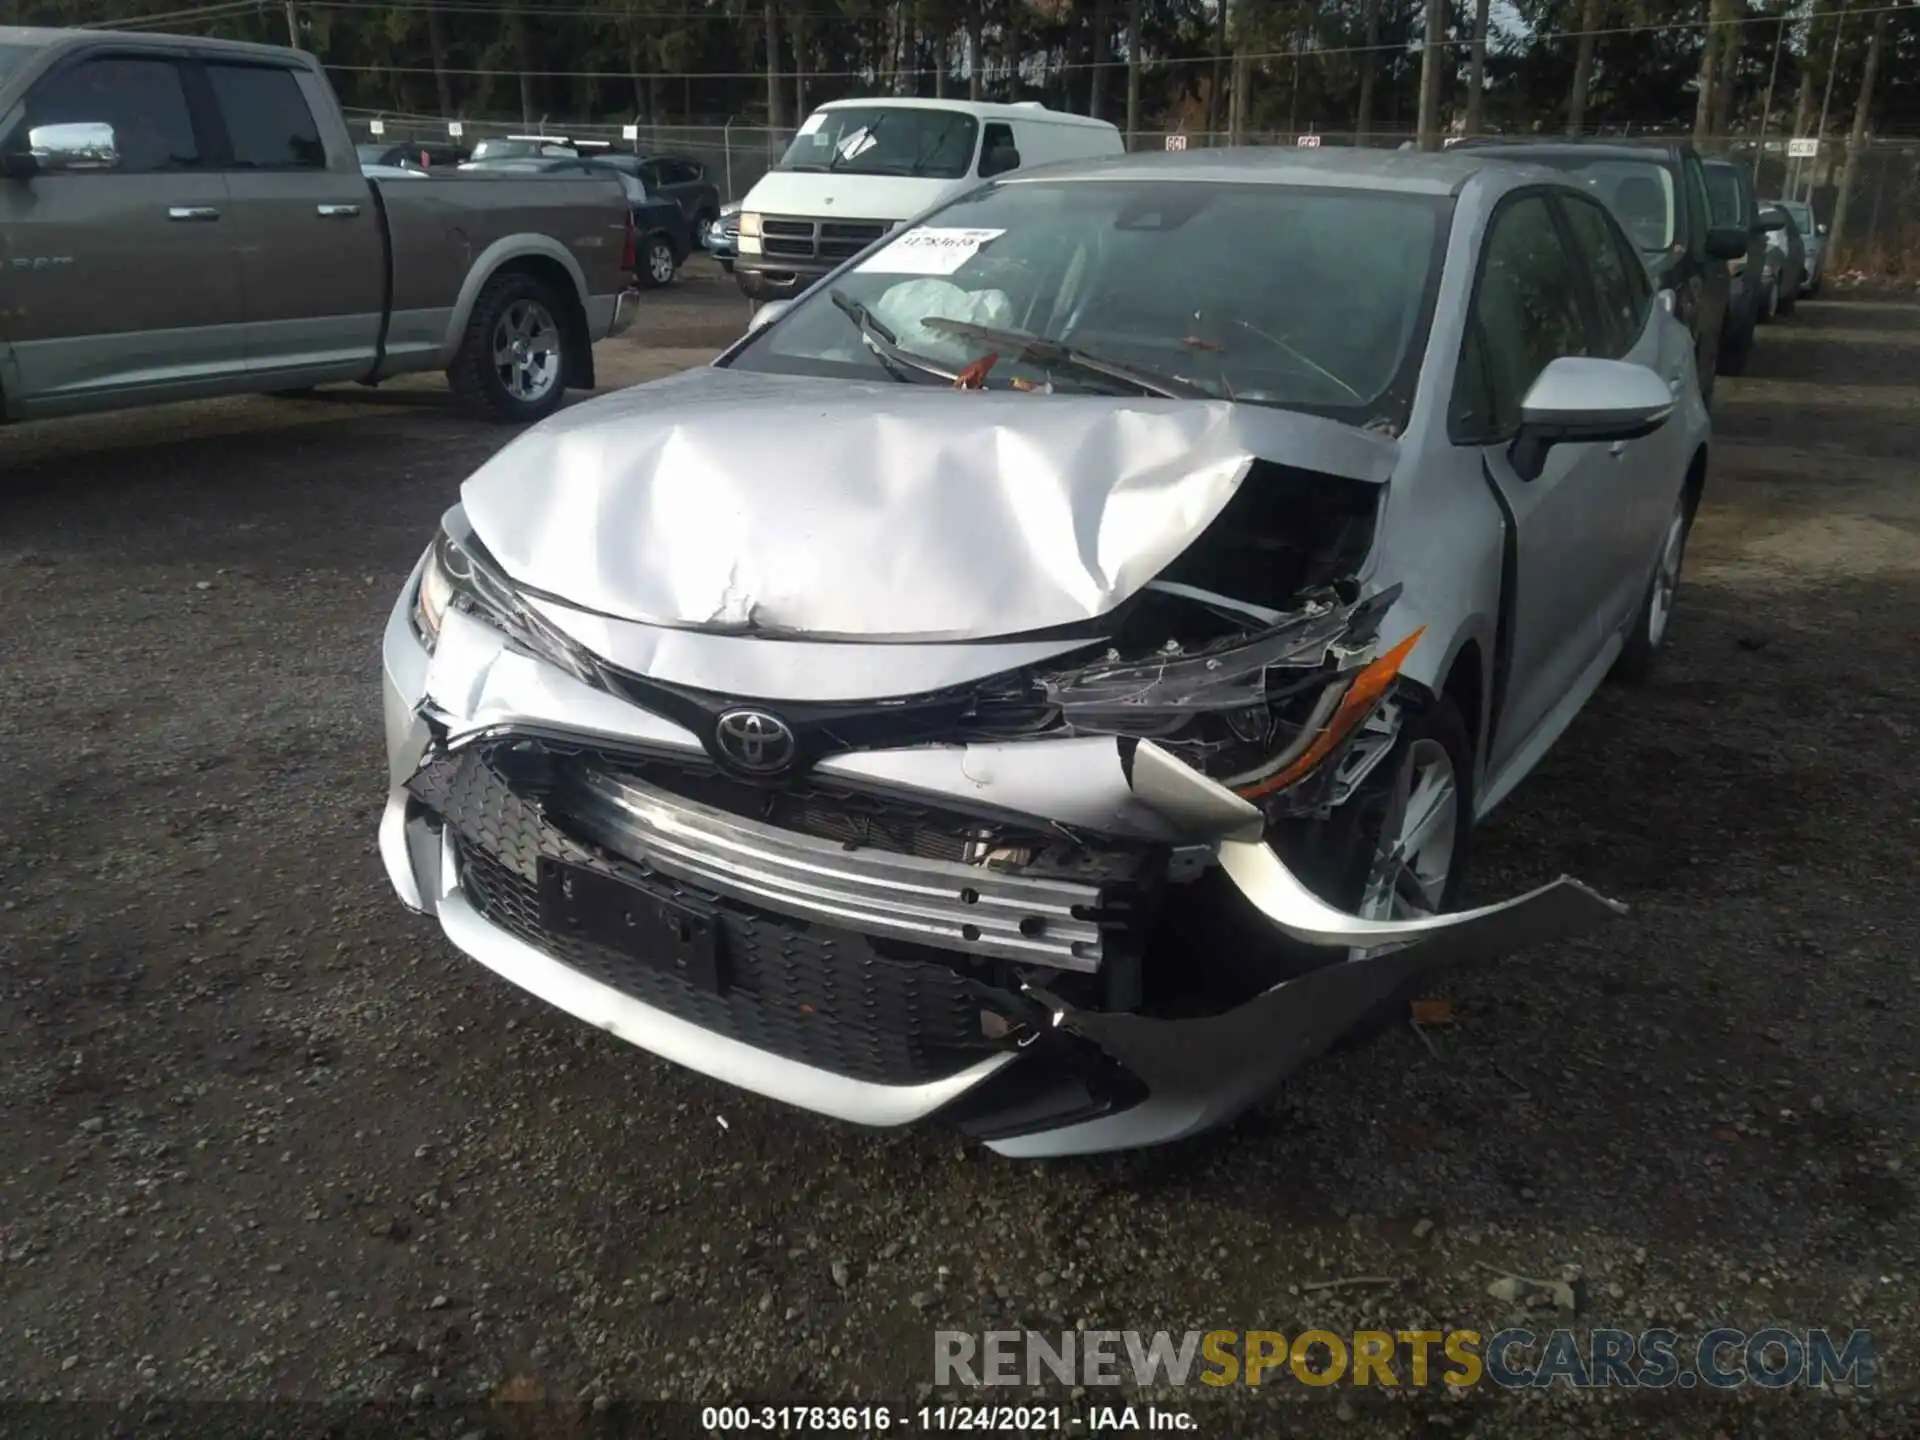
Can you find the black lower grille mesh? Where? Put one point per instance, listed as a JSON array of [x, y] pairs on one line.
[[803, 991]]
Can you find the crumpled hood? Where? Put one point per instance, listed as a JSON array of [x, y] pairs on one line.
[[777, 505]]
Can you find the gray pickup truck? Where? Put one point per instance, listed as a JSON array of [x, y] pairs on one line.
[[183, 218]]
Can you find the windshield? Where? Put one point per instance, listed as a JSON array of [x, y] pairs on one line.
[[1639, 192], [504, 149], [1304, 298], [884, 140]]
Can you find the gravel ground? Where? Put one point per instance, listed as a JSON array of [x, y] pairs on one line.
[[267, 1135]]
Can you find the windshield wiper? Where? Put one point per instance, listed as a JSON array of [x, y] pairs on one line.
[[885, 345], [1055, 355]]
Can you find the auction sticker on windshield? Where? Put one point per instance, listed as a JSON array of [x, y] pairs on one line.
[[930, 250]]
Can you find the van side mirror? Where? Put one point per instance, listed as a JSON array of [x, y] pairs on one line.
[[1772, 218], [1581, 400], [999, 160], [1726, 242]]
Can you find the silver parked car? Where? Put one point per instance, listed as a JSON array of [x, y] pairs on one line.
[[1813, 235], [1046, 678]]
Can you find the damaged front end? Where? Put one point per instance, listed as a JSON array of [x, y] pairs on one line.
[[1067, 901]]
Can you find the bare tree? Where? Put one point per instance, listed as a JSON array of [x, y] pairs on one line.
[[1477, 67], [437, 48], [1432, 57], [1593, 14], [776, 117], [1718, 13], [1102, 53], [1369, 67], [1857, 141], [974, 54], [1133, 70], [1242, 76]]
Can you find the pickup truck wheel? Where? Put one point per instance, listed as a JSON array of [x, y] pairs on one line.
[[657, 265], [512, 365], [1649, 632]]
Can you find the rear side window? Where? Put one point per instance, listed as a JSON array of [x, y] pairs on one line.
[[1621, 288], [269, 123], [1527, 312], [142, 99], [1699, 207]]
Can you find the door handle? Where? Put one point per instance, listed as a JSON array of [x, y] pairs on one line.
[[336, 212], [192, 212]]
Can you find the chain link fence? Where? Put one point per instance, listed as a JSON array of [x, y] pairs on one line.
[[1882, 236]]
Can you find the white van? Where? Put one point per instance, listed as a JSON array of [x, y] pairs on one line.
[[857, 168]]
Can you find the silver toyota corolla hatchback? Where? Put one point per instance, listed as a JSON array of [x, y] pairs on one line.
[[1045, 678]]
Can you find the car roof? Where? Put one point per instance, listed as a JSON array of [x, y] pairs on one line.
[[1409, 172], [980, 109], [1614, 147], [51, 37]]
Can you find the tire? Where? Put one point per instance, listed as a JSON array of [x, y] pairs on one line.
[[1653, 619], [1338, 858], [513, 363], [657, 265]]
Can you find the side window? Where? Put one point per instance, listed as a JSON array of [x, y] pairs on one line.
[[142, 99], [681, 173], [268, 120], [998, 137], [1619, 280], [651, 173], [1527, 310]]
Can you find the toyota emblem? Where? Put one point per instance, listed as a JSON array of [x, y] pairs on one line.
[[754, 741]]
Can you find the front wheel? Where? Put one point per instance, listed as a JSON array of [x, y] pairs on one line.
[[512, 363], [657, 265], [1649, 633]]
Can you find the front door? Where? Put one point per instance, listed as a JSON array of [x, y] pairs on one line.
[[122, 281], [1529, 309], [312, 258]]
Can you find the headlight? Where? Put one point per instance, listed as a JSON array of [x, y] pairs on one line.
[[1260, 712], [460, 575], [750, 222]]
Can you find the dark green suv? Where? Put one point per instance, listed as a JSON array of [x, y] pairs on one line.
[[1657, 189]]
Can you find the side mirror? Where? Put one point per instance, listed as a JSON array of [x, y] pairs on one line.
[[1772, 219], [1726, 242], [1821, 228], [1579, 400], [55, 149], [999, 160], [767, 313]]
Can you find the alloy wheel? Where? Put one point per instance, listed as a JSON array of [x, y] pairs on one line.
[[526, 351], [1418, 838], [1666, 579]]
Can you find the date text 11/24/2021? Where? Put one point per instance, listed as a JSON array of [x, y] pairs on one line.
[[938, 1419]]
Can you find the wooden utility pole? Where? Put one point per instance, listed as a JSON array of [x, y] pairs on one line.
[[1432, 55], [1856, 142]]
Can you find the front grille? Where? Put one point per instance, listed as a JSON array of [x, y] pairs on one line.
[[824, 997], [786, 237]]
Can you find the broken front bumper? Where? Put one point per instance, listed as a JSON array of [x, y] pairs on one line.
[[866, 983]]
